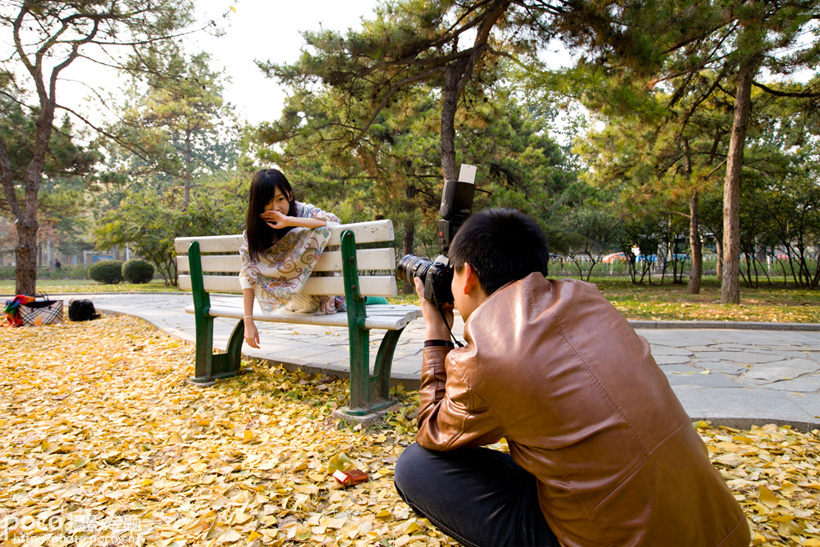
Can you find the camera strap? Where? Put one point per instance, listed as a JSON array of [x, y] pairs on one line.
[[453, 336]]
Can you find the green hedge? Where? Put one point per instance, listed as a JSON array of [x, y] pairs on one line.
[[44, 272], [107, 272], [137, 271]]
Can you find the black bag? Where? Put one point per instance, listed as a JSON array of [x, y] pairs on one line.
[[82, 310]]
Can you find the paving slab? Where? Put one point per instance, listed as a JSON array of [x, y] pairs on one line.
[[732, 374], [704, 379], [777, 371]]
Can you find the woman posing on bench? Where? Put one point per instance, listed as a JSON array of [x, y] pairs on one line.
[[276, 258]]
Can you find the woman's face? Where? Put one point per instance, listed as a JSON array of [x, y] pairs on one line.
[[278, 203]]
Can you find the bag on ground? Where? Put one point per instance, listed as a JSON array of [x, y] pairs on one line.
[[41, 312], [82, 310]]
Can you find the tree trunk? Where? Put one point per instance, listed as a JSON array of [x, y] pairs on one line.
[[730, 282], [448, 121], [696, 245], [409, 239], [719, 262], [187, 195], [696, 271], [26, 255], [27, 225], [456, 77]]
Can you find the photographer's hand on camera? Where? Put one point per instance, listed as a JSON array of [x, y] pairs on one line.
[[435, 327]]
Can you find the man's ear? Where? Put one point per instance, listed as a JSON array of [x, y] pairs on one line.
[[470, 278]]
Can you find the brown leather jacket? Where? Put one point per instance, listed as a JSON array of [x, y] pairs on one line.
[[552, 367]]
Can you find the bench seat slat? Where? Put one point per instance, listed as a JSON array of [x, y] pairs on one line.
[[365, 232], [330, 261], [386, 317], [377, 285]]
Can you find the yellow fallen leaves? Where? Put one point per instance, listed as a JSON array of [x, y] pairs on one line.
[[775, 474], [105, 439], [767, 497]]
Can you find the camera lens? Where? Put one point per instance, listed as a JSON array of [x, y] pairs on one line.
[[411, 266]]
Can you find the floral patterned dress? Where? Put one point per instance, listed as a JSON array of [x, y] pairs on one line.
[[279, 276]]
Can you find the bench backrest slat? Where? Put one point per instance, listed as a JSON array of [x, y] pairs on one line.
[[365, 232], [330, 261], [374, 285]]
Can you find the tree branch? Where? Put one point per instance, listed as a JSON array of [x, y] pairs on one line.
[[136, 150], [392, 91], [778, 93]]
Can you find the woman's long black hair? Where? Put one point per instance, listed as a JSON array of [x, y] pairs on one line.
[[261, 236]]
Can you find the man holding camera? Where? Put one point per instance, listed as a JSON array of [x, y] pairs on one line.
[[601, 451]]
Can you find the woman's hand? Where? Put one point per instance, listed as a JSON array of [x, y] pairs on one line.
[[435, 327], [251, 333], [276, 220]]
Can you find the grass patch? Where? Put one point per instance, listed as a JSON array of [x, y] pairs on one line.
[[672, 302], [57, 286]]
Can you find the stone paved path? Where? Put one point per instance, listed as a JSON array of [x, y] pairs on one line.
[[748, 374]]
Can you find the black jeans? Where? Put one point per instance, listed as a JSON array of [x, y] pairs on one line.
[[477, 496]]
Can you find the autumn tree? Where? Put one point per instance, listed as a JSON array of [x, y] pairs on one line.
[[65, 166], [150, 221], [734, 46], [401, 95], [394, 169], [780, 195], [655, 153], [452, 48], [47, 37], [174, 124]]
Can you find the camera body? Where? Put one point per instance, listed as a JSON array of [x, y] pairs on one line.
[[437, 275], [438, 281]]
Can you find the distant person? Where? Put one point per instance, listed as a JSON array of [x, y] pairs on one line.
[[601, 451], [283, 239], [57, 264]]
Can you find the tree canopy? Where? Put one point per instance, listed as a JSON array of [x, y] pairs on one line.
[[47, 37]]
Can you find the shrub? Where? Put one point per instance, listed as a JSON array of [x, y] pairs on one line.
[[78, 272], [108, 272], [137, 271]]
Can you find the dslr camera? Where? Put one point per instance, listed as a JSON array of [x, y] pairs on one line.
[[437, 275]]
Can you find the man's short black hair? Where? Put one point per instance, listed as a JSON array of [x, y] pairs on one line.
[[502, 245]]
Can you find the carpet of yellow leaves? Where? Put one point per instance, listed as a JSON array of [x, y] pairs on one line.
[[105, 442]]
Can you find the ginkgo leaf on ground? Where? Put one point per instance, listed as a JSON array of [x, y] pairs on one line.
[[94, 430]]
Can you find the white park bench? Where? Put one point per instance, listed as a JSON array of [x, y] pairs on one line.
[[363, 260]]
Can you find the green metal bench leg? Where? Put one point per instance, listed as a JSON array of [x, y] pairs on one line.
[[204, 323], [227, 364], [366, 396], [204, 350], [380, 381], [359, 371], [209, 366]]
